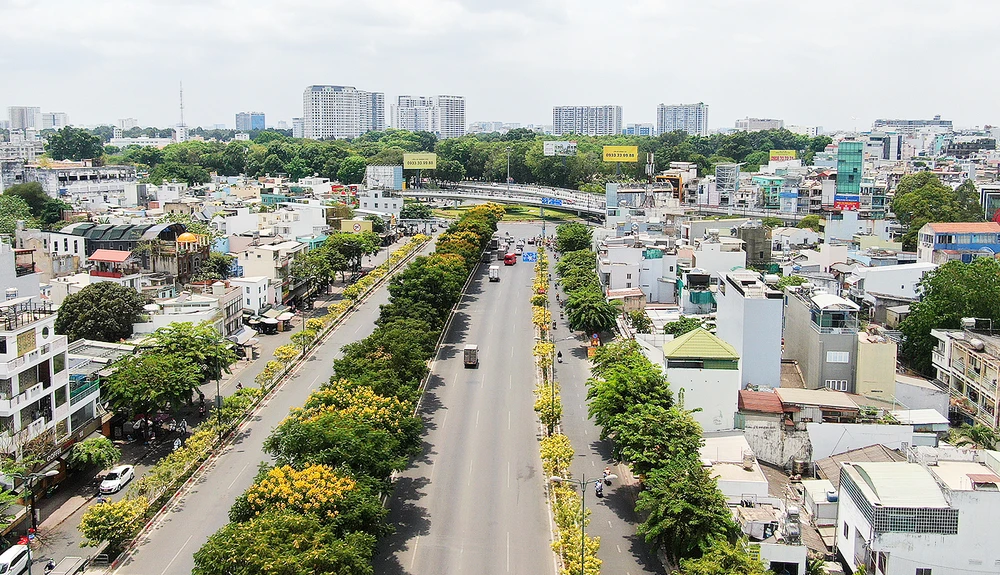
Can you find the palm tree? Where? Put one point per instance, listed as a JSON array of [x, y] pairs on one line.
[[978, 436]]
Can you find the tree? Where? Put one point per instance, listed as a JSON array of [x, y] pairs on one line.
[[352, 170], [378, 224], [811, 222], [572, 237], [32, 193], [415, 211], [12, 209], [685, 511], [351, 248], [788, 281], [99, 451], [651, 436], [279, 543], [115, 522], [218, 266], [772, 222], [198, 343], [104, 311], [949, 293], [52, 212], [921, 198], [978, 436], [623, 377], [150, 383], [681, 326], [724, 558], [590, 311], [449, 171], [71, 143], [640, 321]]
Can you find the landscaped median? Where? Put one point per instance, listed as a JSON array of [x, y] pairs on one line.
[[555, 448], [117, 523]]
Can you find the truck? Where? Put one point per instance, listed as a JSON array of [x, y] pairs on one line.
[[494, 273], [487, 257], [471, 355], [494, 242]]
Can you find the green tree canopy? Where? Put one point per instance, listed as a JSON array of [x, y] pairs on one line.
[[724, 558], [217, 267], [590, 311], [104, 311], [949, 293], [352, 170], [150, 383], [811, 221], [71, 143], [12, 209], [921, 198], [33, 195], [415, 211], [572, 237], [99, 451], [200, 344], [682, 326]]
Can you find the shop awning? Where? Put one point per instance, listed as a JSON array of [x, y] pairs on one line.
[[287, 316], [243, 336]]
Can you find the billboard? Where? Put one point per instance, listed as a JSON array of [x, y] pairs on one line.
[[420, 161], [621, 153], [554, 148], [384, 177], [850, 202], [355, 226], [782, 155]]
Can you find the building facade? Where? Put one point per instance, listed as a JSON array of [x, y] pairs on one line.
[[24, 118], [703, 371], [587, 120], [335, 112], [749, 318], [821, 334], [54, 120], [247, 121], [443, 116], [690, 118], [967, 364], [940, 243], [759, 124], [850, 160], [911, 126]]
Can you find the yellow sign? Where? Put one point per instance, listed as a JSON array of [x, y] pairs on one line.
[[621, 153], [420, 161], [355, 226], [782, 155]]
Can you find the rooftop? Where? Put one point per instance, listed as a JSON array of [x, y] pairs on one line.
[[114, 256], [760, 401], [966, 476], [919, 417], [964, 227], [828, 301], [897, 484], [700, 344], [816, 397]]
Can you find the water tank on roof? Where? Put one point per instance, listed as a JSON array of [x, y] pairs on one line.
[[187, 237], [978, 344], [772, 278]]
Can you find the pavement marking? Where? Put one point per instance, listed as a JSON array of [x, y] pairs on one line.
[[619, 548], [508, 551], [359, 328], [412, 559], [238, 476], [585, 432], [445, 419], [512, 353], [477, 418], [470, 474], [593, 463], [313, 384], [609, 524], [508, 477], [510, 382], [176, 554]]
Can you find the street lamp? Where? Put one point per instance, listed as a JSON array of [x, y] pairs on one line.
[[583, 508], [29, 481]]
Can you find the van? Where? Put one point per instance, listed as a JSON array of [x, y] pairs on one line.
[[14, 561], [494, 273], [510, 259]]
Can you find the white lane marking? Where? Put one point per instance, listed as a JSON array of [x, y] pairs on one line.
[[619, 548], [510, 382], [414, 558], [359, 328], [593, 463], [238, 476], [176, 554], [508, 551], [445, 419], [477, 418], [313, 384], [585, 432], [512, 353], [609, 524], [470, 474]]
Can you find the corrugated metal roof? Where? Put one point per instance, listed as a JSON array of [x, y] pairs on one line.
[[102, 255], [817, 397], [964, 227], [699, 344], [898, 484], [760, 401], [829, 467]]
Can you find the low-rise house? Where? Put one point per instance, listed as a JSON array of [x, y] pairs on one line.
[[943, 242], [704, 372], [968, 366]]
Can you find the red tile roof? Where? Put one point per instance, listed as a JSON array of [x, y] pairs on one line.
[[965, 227], [116, 256], [761, 401]]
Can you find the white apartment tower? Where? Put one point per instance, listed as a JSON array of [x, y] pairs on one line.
[[24, 118], [333, 112], [441, 115], [54, 120], [690, 118], [587, 120]]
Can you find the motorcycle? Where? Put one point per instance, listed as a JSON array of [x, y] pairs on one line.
[[559, 357], [598, 489]]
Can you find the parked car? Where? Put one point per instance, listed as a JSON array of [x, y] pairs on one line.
[[117, 478]]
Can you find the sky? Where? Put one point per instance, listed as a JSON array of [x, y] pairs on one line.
[[837, 64]]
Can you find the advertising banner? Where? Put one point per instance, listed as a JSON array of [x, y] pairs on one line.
[[850, 202], [782, 155], [420, 161], [621, 153], [554, 148]]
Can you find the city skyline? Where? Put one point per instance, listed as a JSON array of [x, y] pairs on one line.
[[466, 48]]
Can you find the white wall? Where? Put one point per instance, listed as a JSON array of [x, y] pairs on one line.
[[715, 391], [898, 280], [832, 438], [753, 327], [921, 397], [711, 259], [772, 444]]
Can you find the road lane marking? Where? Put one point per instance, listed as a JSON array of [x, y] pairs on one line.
[[585, 432], [445, 419], [508, 551], [238, 476], [619, 548], [176, 554], [477, 418], [508, 474], [610, 525], [512, 353], [414, 558], [313, 384], [510, 382], [470, 474]]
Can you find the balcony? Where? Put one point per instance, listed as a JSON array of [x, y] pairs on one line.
[[937, 358], [105, 274]]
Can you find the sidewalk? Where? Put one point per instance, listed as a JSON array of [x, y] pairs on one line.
[[61, 512]]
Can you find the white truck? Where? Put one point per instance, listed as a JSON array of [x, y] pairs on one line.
[[494, 273], [471, 355]]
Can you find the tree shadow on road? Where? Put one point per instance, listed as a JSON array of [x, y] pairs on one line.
[[410, 521]]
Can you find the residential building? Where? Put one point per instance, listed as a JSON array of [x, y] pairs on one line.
[[821, 334], [126, 123], [756, 243], [786, 239], [967, 364], [876, 368], [690, 118], [55, 253], [811, 131], [440, 115], [639, 130], [54, 120], [248, 121], [79, 180], [273, 262], [24, 118], [876, 289], [256, 293], [850, 160], [21, 150], [298, 128], [379, 201], [115, 266], [334, 112], [587, 120], [758, 124], [942, 242], [749, 318], [221, 304], [703, 371], [451, 116], [931, 514], [911, 126]]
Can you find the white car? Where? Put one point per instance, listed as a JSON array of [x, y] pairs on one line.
[[117, 478]]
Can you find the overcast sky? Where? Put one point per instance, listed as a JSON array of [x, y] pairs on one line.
[[836, 64]]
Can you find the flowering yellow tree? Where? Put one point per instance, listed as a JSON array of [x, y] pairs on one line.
[[286, 353], [314, 324], [541, 317], [316, 489], [267, 375], [114, 522]]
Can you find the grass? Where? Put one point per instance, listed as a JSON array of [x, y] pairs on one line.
[[515, 213]]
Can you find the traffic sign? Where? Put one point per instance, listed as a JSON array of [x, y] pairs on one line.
[[551, 201], [529, 257]]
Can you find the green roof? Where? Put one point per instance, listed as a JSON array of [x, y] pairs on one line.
[[699, 344]]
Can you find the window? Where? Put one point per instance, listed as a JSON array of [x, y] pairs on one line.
[[3, 344], [58, 362], [837, 384], [882, 559], [248, 302], [76, 246], [923, 571], [845, 530], [838, 357], [60, 395], [628, 284], [628, 276]]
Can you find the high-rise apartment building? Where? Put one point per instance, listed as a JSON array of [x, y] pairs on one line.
[[330, 112], [759, 124], [690, 118], [639, 130], [247, 121], [850, 159], [127, 123], [298, 128], [587, 120], [441, 115], [54, 120], [24, 117], [910, 126]]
